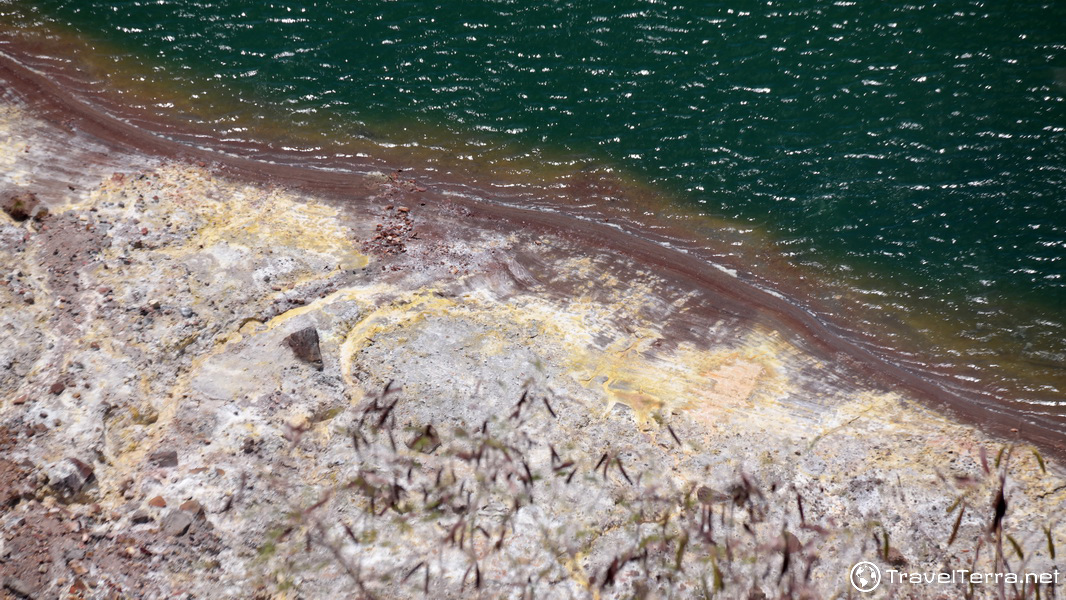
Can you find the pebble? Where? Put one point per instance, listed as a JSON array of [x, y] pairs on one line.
[[70, 476], [164, 458], [140, 517], [304, 345], [176, 523]]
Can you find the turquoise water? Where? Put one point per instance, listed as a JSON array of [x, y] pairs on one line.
[[913, 155]]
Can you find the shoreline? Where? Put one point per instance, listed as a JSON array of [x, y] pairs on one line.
[[741, 297]]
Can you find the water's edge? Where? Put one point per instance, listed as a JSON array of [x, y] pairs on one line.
[[53, 102]]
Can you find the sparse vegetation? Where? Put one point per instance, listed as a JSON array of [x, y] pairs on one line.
[[452, 514]]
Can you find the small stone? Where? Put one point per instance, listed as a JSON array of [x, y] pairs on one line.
[[21, 400], [140, 517], [20, 206], [17, 587], [158, 502], [186, 312], [793, 543], [403, 209], [176, 523], [164, 458], [705, 495], [70, 476], [57, 388], [304, 345], [78, 568], [896, 558]]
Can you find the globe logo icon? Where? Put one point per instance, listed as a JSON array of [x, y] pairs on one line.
[[865, 576]]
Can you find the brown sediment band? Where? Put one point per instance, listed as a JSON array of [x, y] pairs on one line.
[[730, 295]]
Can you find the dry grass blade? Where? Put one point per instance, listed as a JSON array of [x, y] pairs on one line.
[[673, 434], [549, 407], [1017, 547], [955, 528], [999, 510], [1040, 460]]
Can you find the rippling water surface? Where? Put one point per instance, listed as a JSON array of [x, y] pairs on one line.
[[906, 161]]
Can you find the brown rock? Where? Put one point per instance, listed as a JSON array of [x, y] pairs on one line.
[[78, 567], [19, 480], [304, 345], [192, 507], [895, 557], [57, 388], [20, 206], [158, 502]]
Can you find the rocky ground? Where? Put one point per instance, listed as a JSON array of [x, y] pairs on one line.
[[211, 388]]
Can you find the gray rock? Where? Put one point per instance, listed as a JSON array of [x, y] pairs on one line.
[[17, 587], [176, 523], [141, 517], [69, 477], [164, 458]]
